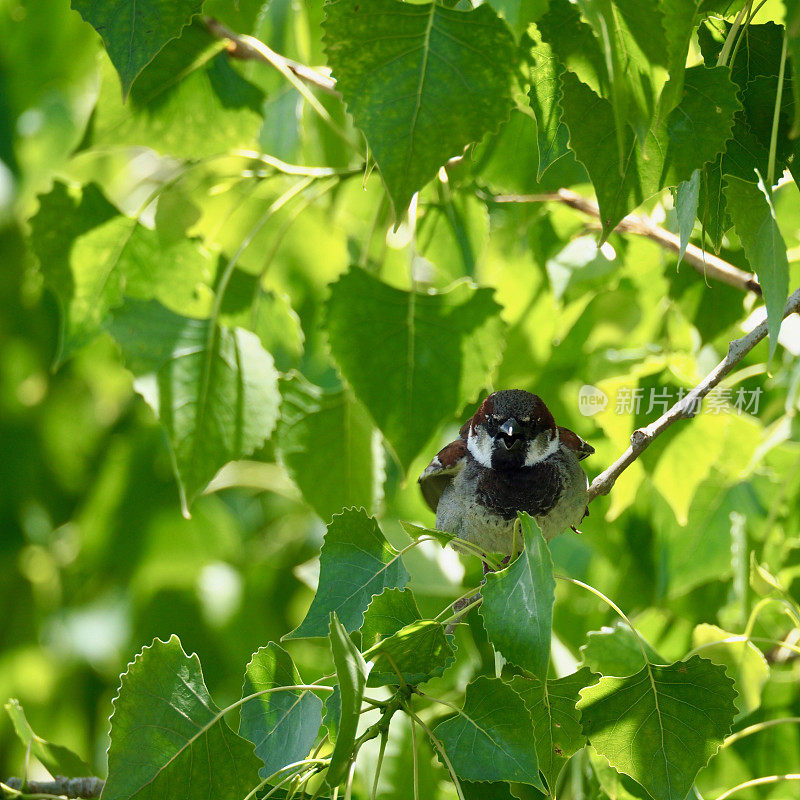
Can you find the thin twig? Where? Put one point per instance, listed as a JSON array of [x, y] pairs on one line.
[[248, 48], [705, 263], [688, 406]]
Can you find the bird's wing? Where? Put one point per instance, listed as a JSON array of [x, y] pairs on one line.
[[446, 464], [573, 442]]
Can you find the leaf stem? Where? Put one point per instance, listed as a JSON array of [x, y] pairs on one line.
[[379, 764], [439, 748], [415, 757], [776, 116], [759, 782], [722, 59], [759, 726]]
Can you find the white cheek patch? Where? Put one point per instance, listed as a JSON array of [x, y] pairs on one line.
[[542, 447], [479, 444]]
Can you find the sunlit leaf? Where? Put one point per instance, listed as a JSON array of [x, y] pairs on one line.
[[388, 612], [281, 725], [90, 254], [661, 725], [517, 606], [326, 441], [190, 102], [414, 654], [753, 215], [55, 758], [214, 389], [351, 673], [687, 196], [356, 563], [166, 731], [491, 739], [134, 31], [556, 721], [744, 662], [413, 359], [421, 81], [617, 651]]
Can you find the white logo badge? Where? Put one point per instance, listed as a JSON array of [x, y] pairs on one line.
[[591, 400]]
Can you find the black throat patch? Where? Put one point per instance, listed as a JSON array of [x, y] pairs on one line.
[[535, 489]]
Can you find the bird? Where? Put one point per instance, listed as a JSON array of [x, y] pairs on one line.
[[510, 456]]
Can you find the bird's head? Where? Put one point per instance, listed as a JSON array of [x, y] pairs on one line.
[[511, 429]]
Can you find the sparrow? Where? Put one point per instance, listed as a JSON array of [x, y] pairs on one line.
[[509, 457]]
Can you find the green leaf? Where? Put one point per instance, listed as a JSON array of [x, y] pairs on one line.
[[326, 442], [134, 31], [351, 673], [635, 45], [413, 359], [491, 738], [544, 74], [673, 148], [57, 760], [356, 563], [662, 725], [166, 731], [416, 531], [520, 13], [268, 314], [388, 612], [616, 651], [421, 81], [613, 783], [743, 661], [518, 601], [577, 264], [687, 196], [556, 721], [214, 389], [417, 652], [753, 215], [189, 103], [90, 254], [281, 725]]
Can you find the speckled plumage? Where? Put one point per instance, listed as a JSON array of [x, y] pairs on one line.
[[478, 483]]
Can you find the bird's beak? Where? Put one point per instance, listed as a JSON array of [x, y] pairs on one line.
[[510, 427]]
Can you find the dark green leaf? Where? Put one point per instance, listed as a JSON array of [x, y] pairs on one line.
[[520, 13], [686, 198], [90, 254], [556, 721], [214, 389], [517, 606], [491, 739], [753, 215], [351, 673], [793, 40], [661, 725], [415, 653], [326, 442], [356, 563], [166, 731], [617, 651], [281, 725], [388, 612], [190, 102], [134, 31], [421, 81], [57, 760], [413, 359], [674, 147]]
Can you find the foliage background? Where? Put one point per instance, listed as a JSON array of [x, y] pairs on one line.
[[95, 556]]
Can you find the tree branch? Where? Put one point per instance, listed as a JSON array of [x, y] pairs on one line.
[[67, 787], [248, 48], [706, 264], [688, 406]]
